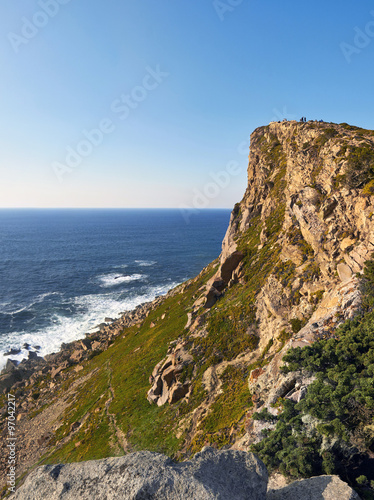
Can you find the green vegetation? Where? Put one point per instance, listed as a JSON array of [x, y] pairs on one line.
[[285, 272], [316, 297], [359, 130], [227, 412], [284, 336], [123, 371], [339, 404], [297, 324], [368, 189], [264, 415], [328, 134], [295, 237], [360, 168], [229, 332], [311, 271]]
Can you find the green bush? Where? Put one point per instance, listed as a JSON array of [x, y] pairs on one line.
[[360, 169], [297, 324], [264, 415], [362, 480], [340, 401]]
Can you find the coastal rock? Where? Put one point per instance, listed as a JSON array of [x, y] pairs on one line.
[[9, 379], [12, 352], [11, 364], [211, 474], [34, 357]]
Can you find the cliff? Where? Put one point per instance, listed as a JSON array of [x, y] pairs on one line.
[[199, 365]]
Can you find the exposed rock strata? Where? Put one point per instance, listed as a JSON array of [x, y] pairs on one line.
[[327, 233]]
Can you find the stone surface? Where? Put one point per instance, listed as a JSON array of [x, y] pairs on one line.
[[344, 271], [211, 474], [166, 386], [315, 488]]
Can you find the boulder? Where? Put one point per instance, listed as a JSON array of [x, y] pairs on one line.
[[34, 356], [10, 366], [164, 379], [9, 379], [344, 272], [229, 265], [12, 352], [315, 488], [211, 297], [211, 474], [178, 392]]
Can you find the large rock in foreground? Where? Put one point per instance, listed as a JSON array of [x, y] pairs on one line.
[[315, 488], [211, 474]]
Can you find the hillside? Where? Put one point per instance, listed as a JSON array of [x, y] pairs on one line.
[[194, 367]]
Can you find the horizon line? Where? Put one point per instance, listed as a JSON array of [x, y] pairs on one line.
[[116, 208]]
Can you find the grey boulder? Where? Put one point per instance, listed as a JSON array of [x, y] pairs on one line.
[[315, 488], [211, 474]]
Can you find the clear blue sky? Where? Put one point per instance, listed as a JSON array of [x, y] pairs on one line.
[[177, 86]]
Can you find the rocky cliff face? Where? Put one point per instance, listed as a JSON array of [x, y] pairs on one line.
[[289, 262], [306, 182]]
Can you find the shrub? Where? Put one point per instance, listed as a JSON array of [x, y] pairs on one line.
[[360, 168], [264, 415], [297, 324], [340, 400]]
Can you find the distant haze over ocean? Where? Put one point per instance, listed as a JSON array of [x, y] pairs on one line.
[[62, 272]]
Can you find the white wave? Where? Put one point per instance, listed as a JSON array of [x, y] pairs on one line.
[[94, 310], [146, 263], [116, 279]]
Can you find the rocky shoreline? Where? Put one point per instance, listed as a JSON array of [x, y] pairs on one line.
[[15, 374], [35, 382]]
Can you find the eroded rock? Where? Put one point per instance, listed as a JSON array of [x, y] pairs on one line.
[[165, 378]]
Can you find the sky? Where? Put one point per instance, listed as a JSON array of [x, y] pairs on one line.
[[151, 103]]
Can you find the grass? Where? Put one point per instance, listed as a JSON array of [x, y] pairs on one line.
[[225, 419], [231, 329], [127, 366]]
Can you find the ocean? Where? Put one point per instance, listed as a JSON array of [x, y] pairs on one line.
[[63, 271]]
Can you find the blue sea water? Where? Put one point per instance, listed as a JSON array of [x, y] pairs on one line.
[[63, 271]]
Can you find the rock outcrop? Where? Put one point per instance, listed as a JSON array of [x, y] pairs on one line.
[[226, 475], [165, 378], [210, 475], [320, 487]]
